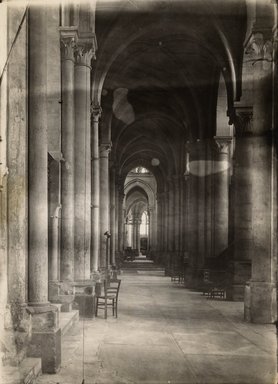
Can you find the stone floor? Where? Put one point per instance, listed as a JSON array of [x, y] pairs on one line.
[[167, 334]]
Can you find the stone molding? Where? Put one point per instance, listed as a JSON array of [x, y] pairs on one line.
[[68, 45], [84, 53], [243, 120], [104, 149], [223, 144], [68, 37], [260, 46], [96, 111]]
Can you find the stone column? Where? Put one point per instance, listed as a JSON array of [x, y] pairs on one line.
[[138, 223], [121, 220], [159, 222], [182, 239], [127, 241], [171, 220], [54, 251], [104, 200], [221, 195], [242, 204], [82, 169], [46, 336], [169, 227], [260, 294], [160, 226], [154, 228], [14, 320], [209, 200], [177, 213], [38, 202], [67, 183], [116, 219], [96, 113], [112, 218], [134, 224], [192, 202], [201, 212], [4, 184], [165, 211], [185, 233], [150, 243]]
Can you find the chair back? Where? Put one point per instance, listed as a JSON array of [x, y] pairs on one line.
[[113, 287]]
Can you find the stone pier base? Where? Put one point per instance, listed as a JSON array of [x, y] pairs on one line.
[[260, 303], [86, 305], [46, 337], [61, 293], [239, 274], [16, 334]]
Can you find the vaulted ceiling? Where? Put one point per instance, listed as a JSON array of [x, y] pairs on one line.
[[157, 73]]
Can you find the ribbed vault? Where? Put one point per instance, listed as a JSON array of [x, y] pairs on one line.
[[157, 73]]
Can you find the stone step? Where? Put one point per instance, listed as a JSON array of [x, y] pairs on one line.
[[30, 368], [67, 320], [142, 267], [26, 373]]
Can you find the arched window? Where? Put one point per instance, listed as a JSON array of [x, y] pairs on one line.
[[140, 170], [144, 224]]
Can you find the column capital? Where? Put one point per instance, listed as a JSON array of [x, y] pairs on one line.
[[223, 144], [243, 120], [260, 47], [84, 53], [68, 36], [104, 149], [96, 111]]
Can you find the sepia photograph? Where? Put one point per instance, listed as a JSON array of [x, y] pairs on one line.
[[138, 191]]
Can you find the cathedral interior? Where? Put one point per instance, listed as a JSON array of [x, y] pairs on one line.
[[138, 141]]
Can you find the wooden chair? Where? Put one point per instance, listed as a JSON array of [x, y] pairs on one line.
[[110, 297]]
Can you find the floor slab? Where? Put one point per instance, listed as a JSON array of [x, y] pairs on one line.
[[167, 334]]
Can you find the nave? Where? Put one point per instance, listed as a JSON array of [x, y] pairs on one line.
[[132, 127], [167, 334]]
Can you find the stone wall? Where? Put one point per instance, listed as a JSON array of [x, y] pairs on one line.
[[17, 322]]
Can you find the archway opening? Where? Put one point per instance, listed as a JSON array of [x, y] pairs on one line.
[[140, 212]]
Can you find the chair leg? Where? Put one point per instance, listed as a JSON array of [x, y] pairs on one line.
[[116, 308], [113, 306]]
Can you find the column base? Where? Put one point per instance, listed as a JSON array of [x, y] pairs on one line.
[[61, 293], [260, 302], [16, 334], [235, 292], [86, 305], [239, 272], [46, 337]]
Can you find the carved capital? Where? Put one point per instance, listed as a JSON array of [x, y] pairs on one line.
[[84, 53], [223, 144], [260, 46], [96, 111], [104, 149], [243, 121], [68, 45]]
